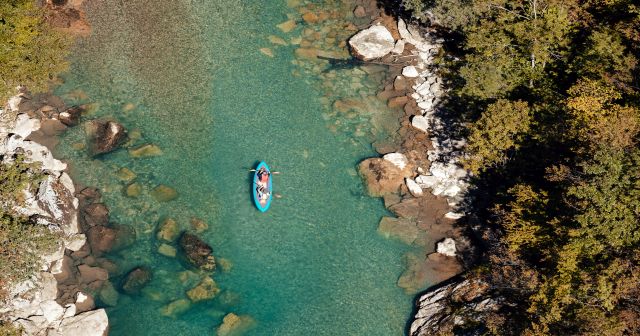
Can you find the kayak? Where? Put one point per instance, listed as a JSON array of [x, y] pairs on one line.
[[262, 187]]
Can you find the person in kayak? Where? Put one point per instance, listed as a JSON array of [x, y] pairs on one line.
[[263, 175]]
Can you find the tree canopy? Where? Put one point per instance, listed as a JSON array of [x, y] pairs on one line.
[[31, 52], [549, 92]]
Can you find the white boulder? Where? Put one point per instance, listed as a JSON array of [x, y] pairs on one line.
[[413, 187], [410, 71], [421, 123], [373, 42], [92, 323], [398, 159], [51, 310], [447, 247]]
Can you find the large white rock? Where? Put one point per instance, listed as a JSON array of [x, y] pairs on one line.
[[413, 187], [399, 47], [421, 123], [398, 159], [25, 125], [35, 153], [51, 310], [453, 215], [373, 42], [91, 323], [410, 71], [427, 181], [447, 247]]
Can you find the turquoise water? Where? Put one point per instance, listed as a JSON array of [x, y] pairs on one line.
[[189, 77]]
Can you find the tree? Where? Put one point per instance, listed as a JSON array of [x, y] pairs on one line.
[[501, 127], [32, 53]]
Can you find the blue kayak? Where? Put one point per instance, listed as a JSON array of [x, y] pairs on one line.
[[262, 187]]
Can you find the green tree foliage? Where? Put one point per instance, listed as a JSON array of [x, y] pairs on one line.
[[22, 242], [501, 128], [31, 52], [553, 144]]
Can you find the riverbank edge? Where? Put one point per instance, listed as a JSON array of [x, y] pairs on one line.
[[452, 302], [51, 302]]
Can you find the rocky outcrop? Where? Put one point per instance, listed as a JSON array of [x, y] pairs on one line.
[[461, 305], [56, 301], [104, 136], [373, 42]]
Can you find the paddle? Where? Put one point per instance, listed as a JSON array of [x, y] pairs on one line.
[[275, 195], [273, 172]]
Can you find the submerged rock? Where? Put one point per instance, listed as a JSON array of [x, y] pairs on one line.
[[126, 174], [135, 280], [147, 150], [207, 289], [104, 136], [133, 190], [287, 26], [174, 308], [96, 214], [108, 294], [373, 42], [167, 250], [233, 324], [199, 225], [399, 228], [168, 230], [163, 193], [197, 252]]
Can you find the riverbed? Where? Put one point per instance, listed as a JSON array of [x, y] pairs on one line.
[[209, 85]]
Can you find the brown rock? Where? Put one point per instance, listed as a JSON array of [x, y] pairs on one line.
[[96, 214], [168, 230], [163, 193], [382, 176], [359, 12], [400, 84], [135, 280], [199, 225], [396, 102], [71, 116], [310, 17], [101, 239], [398, 228], [307, 53], [90, 274], [207, 289], [104, 136], [197, 252]]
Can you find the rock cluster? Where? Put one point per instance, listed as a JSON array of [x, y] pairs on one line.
[[56, 301], [462, 304]]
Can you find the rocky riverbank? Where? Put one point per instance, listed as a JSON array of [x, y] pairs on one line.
[[59, 300], [427, 159]]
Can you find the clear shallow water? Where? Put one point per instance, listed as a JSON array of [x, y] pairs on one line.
[[189, 77]]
